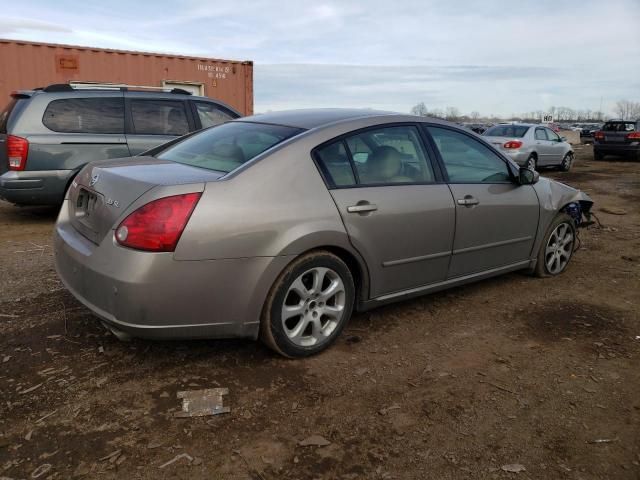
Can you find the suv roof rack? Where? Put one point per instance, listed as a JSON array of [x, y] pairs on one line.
[[71, 86]]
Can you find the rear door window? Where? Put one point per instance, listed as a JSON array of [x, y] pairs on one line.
[[541, 134], [334, 163], [395, 155], [85, 115], [159, 117], [551, 135], [210, 114]]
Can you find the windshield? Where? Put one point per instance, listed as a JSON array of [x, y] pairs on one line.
[[517, 131], [225, 147]]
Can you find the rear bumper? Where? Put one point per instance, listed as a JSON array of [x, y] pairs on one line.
[[617, 149], [518, 156], [40, 187], [151, 295]]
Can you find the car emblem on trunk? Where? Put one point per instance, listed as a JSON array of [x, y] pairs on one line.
[[94, 179]]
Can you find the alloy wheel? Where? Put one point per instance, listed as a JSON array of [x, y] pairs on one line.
[[559, 248], [531, 163], [566, 162], [313, 306]]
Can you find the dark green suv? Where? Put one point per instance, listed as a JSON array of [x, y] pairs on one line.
[[47, 135]]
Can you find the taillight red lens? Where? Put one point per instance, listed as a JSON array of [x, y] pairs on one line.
[[599, 135], [158, 225], [17, 151], [634, 136], [513, 144]]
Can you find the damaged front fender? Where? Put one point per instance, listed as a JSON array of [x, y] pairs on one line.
[[557, 197]]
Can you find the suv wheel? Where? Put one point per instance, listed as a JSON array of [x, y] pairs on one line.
[[597, 155], [308, 306]]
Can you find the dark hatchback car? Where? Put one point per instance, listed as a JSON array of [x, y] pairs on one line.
[[47, 135], [617, 137]]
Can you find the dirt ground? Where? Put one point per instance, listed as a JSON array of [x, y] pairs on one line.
[[511, 374]]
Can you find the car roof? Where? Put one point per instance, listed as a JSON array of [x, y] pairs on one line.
[[319, 117]]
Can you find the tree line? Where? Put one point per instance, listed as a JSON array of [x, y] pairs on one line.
[[624, 110]]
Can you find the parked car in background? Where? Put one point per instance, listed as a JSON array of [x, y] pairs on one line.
[[617, 137], [280, 225], [47, 135], [531, 145], [586, 133]]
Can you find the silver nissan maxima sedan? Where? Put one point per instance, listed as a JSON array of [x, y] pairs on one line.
[[280, 225]]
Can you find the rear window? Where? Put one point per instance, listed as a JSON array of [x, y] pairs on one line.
[[619, 127], [85, 115], [5, 115], [225, 147], [517, 131]]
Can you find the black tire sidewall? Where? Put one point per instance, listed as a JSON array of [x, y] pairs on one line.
[[568, 158], [531, 159], [274, 318], [541, 265]]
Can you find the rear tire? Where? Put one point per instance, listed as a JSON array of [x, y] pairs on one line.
[[557, 247], [308, 305], [567, 161], [597, 155], [531, 163]]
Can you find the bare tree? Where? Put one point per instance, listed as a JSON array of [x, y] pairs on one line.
[[420, 109], [474, 115], [452, 113], [627, 110]]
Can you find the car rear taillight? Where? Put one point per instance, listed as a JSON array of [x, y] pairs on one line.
[[599, 135], [17, 151], [513, 144], [158, 225], [634, 136]]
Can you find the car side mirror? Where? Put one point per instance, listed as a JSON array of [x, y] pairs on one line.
[[563, 139], [527, 176]]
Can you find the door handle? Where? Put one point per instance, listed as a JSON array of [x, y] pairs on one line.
[[468, 201], [362, 208]]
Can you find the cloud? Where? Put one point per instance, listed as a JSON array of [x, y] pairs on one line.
[[9, 25], [494, 56]]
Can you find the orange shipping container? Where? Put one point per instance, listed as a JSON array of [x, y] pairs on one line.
[[28, 65]]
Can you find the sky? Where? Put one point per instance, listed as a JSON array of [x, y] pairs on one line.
[[495, 56]]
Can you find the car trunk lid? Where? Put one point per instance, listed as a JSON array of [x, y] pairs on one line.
[[103, 191], [498, 142]]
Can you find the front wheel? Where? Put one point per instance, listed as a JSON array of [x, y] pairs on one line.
[[557, 247], [308, 306], [567, 161]]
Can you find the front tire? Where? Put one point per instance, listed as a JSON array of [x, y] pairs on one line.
[[557, 247], [308, 305]]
